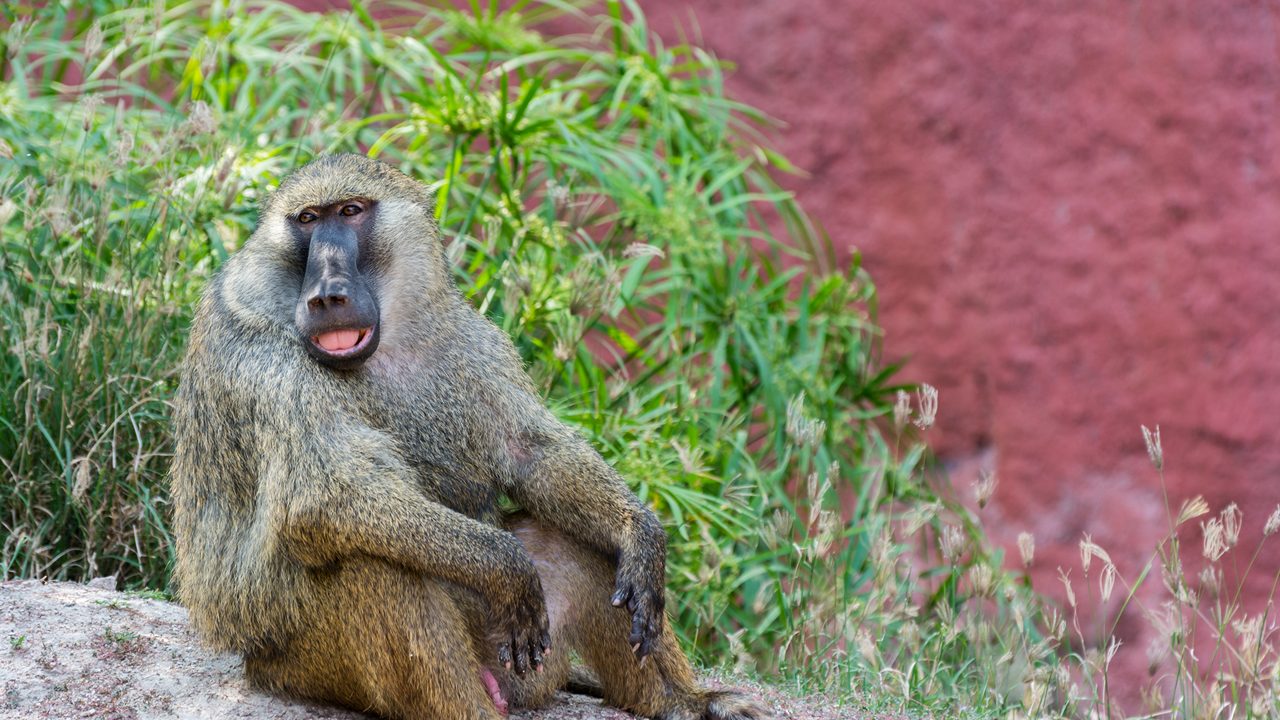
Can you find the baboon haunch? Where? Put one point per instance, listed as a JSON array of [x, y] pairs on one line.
[[345, 425]]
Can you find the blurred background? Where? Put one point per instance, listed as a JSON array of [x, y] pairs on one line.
[[1070, 211]]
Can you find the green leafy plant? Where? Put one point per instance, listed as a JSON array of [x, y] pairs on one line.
[[604, 202]]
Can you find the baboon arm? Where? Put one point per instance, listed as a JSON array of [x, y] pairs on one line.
[[399, 525], [567, 485], [346, 493], [563, 482]]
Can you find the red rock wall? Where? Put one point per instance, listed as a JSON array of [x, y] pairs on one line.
[[1070, 209]]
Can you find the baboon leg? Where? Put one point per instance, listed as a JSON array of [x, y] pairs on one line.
[[557, 573], [383, 641], [578, 583]]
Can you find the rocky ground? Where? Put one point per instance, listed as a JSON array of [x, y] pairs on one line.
[[87, 651]]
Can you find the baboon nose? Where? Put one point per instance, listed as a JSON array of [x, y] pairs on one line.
[[332, 297]]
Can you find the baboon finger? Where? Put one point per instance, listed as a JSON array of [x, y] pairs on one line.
[[521, 661], [521, 654], [637, 631], [649, 644]]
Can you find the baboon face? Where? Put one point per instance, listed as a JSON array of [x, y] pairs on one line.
[[337, 313]]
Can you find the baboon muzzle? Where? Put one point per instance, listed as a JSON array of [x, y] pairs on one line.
[[337, 315]]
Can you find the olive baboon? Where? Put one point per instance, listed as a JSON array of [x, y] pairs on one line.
[[346, 423]]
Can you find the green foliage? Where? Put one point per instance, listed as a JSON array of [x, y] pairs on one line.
[[605, 204]]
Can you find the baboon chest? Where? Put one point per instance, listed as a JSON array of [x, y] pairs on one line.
[[437, 434]]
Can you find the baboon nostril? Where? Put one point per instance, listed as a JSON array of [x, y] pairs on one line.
[[322, 302]]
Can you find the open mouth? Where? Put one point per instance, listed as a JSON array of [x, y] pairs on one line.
[[344, 342]]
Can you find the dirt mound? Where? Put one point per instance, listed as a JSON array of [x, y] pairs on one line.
[[86, 651]]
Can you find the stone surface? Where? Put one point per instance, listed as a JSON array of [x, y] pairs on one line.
[[1070, 210], [84, 651]]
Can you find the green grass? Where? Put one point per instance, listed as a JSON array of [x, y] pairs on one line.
[[606, 204]]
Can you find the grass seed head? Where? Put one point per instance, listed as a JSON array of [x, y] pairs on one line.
[[1157, 653], [200, 119], [828, 526], [1154, 451], [93, 41], [901, 410], [1055, 624], [1192, 509], [1273, 523], [122, 149], [909, 634], [89, 105], [1089, 550], [867, 647], [1210, 581], [1231, 517], [1112, 648], [1215, 539], [1027, 548], [928, 396], [952, 542], [777, 529], [805, 432], [641, 249], [1108, 581], [1065, 577], [981, 578], [1249, 631], [985, 487], [883, 557]]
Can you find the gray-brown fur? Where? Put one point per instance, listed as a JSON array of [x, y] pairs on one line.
[[340, 528]]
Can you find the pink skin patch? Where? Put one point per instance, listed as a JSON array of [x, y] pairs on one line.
[[339, 340], [495, 694]]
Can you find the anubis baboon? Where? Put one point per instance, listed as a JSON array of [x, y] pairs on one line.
[[346, 424]]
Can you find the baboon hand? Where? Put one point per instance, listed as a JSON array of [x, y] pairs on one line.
[[641, 594], [522, 630]]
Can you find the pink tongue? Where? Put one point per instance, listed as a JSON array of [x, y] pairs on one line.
[[338, 340]]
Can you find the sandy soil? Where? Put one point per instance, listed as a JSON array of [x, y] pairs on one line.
[[86, 651]]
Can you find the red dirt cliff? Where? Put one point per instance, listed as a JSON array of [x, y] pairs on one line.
[[1070, 211]]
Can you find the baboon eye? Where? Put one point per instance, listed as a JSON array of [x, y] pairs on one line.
[[352, 209], [306, 216]]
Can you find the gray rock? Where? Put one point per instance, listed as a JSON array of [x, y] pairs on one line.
[[85, 651]]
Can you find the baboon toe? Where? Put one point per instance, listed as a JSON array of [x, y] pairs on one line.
[[732, 705]]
